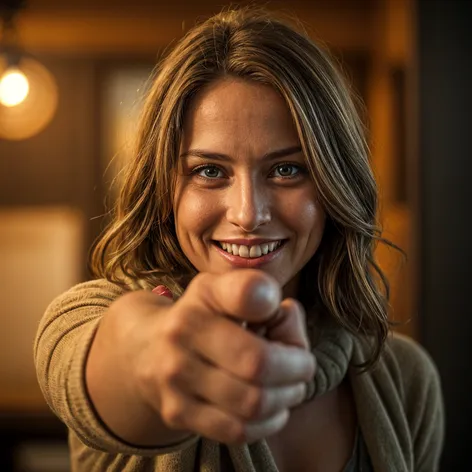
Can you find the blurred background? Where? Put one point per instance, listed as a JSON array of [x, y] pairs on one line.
[[72, 77]]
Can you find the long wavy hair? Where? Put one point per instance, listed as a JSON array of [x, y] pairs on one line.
[[140, 243]]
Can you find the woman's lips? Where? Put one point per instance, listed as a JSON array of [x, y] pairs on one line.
[[249, 262]]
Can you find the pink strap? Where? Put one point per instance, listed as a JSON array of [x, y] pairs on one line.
[[162, 290]]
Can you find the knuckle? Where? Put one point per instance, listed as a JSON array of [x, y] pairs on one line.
[[146, 381], [254, 403], [255, 363], [172, 369], [173, 414], [237, 433], [296, 394], [144, 374], [312, 368], [200, 280], [175, 326], [296, 308]]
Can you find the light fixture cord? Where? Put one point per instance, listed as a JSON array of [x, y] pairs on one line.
[[8, 11]]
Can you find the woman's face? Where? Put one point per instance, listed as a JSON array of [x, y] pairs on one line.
[[243, 196]]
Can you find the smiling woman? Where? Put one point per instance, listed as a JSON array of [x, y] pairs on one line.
[[238, 320]]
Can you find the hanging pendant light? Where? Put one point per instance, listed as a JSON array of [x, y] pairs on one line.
[[14, 87], [28, 91]]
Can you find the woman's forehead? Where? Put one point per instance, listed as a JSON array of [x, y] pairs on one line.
[[232, 109]]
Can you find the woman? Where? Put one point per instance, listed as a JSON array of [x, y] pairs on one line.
[[238, 320]]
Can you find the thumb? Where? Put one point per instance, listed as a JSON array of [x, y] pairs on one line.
[[288, 325]]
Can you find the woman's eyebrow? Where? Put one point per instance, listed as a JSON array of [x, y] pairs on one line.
[[203, 154]]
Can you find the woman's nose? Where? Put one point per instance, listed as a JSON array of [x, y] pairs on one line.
[[248, 206]]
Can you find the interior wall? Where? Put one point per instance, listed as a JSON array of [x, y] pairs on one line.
[[41, 249], [444, 79], [58, 165], [389, 94]]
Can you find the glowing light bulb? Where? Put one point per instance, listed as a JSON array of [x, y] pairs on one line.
[[14, 87]]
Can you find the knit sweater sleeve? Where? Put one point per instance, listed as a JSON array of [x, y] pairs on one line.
[[423, 403], [61, 346]]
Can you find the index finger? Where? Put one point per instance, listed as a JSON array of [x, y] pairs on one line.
[[247, 295]]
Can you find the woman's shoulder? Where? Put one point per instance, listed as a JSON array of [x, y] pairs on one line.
[[102, 286], [417, 381], [411, 359], [404, 367], [95, 287], [421, 394], [406, 382], [96, 292], [99, 292]]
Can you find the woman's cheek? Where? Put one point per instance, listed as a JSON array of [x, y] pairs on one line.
[[196, 215]]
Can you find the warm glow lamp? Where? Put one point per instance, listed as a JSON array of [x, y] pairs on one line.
[[14, 87], [28, 91]]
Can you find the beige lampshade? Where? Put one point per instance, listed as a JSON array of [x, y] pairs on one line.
[[35, 112]]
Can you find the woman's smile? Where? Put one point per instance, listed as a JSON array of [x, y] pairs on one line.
[[250, 254]]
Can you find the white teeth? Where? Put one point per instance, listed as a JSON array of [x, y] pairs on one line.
[[250, 251], [255, 251], [243, 251]]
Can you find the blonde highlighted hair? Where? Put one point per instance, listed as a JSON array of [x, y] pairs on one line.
[[253, 44]]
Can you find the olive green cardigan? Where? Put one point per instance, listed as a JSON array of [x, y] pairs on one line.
[[399, 403]]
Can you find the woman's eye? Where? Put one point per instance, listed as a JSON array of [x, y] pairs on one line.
[[208, 172], [287, 170]]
